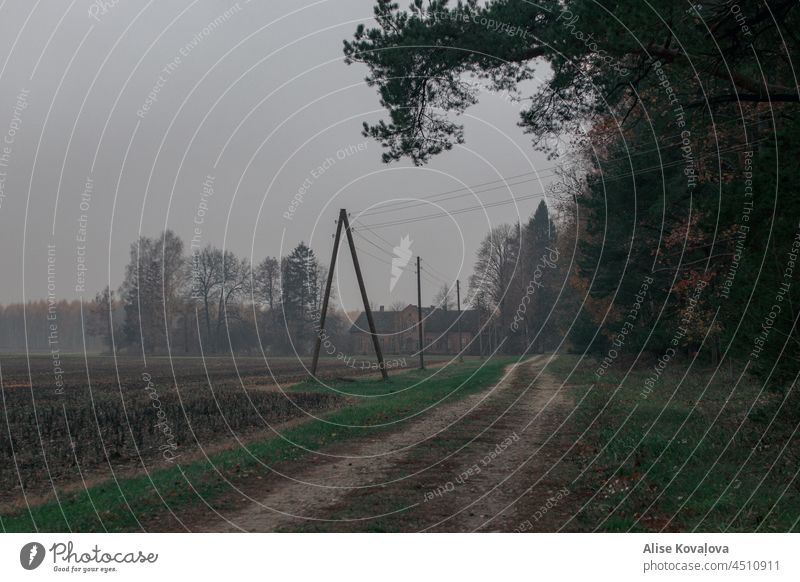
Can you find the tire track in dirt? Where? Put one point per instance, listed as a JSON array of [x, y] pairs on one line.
[[399, 481], [522, 486]]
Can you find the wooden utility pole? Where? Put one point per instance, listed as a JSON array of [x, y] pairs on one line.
[[419, 319], [364, 298], [324, 313], [458, 321], [343, 221]]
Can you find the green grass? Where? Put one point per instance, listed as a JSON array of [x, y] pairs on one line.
[[116, 508], [691, 456]]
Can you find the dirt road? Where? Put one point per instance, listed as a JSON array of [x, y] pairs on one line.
[[489, 462]]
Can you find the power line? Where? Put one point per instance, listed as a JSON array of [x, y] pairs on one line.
[[434, 270], [471, 193], [451, 213], [428, 270], [388, 206], [540, 174], [432, 274], [373, 232], [442, 278], [407, 268], [362, 237], [527, 197], [390, 255]]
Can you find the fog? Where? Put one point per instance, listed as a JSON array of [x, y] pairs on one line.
[[234, 124]]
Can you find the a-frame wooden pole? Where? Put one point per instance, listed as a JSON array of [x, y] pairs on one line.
[[321, 328], [367, 310]]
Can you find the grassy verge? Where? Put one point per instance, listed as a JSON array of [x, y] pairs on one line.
[[141, 499], [698, 452]]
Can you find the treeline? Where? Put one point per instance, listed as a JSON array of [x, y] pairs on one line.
[[211, 301], [515, 285], [680, 188], [204, 301], [38, 335], [689, 246]]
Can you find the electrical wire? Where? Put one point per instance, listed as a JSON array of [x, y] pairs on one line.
[[514, 200], [539, 175]]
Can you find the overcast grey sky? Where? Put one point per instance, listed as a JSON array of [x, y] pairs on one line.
[[254, 104]]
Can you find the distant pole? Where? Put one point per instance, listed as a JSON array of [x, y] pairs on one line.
[[419, 318], [458, 320], [321, 328], [480, 335], [364, 297]]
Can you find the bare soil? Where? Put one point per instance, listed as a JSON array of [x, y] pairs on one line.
[[27, 385]]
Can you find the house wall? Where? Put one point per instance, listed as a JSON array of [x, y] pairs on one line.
[[407, 341]]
